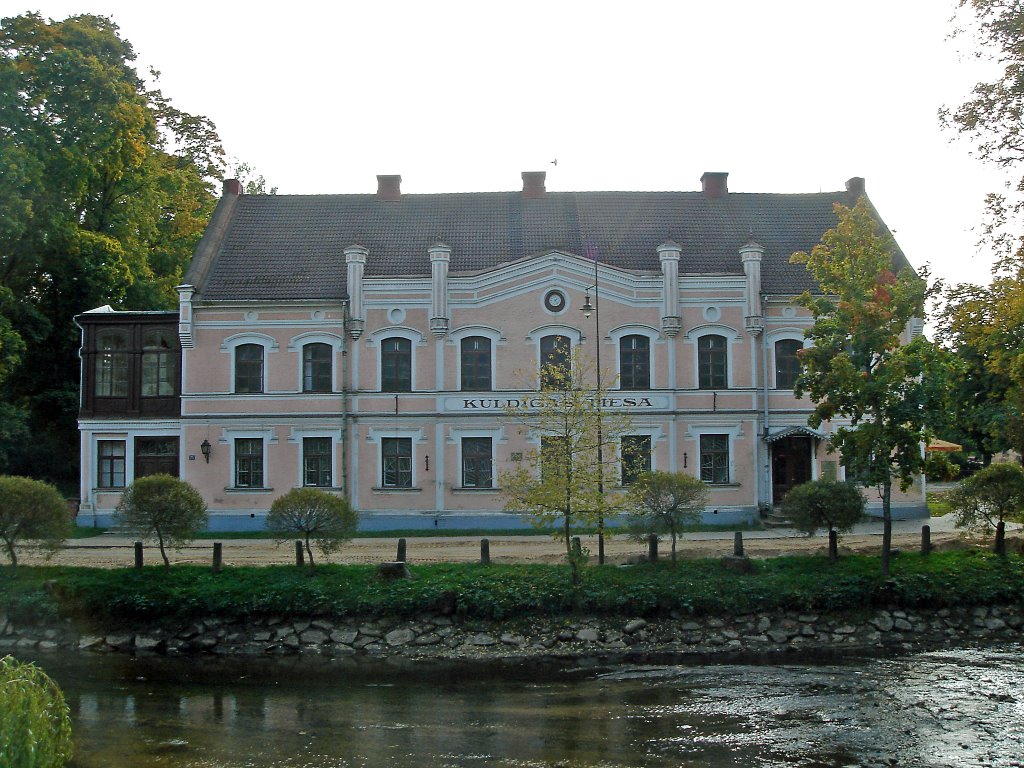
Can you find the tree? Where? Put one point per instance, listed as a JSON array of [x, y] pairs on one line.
[[666, 502], [35, 727], [316, 515], [992, 116], [863, 366], [989, 497], [106, 189], [827, 504], [32, 509], [163, 507], [559, 483]]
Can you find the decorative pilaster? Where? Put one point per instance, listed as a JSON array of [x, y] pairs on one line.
[[355, 262], [440, 257], [751, 255], [670, 253], [185, 293]]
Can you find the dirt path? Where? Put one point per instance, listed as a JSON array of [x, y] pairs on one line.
[[109, 551]]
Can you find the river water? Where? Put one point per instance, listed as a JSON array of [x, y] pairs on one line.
[[960, 707]]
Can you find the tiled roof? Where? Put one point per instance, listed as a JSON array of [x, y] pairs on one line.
[[291, 246]]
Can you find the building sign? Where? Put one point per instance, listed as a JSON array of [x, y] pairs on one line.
[[630, 403]]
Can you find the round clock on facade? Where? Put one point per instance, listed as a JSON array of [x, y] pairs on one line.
[[554, 301]]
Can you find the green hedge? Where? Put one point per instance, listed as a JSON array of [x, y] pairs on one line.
[[701, 587]]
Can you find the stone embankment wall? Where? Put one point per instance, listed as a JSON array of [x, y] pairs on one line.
[[609, 639]]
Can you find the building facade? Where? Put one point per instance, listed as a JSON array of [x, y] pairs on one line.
[[372, 344]]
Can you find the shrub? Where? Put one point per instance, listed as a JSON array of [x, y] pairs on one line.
[[315, 515], [825, 504], [35, 728], [31, 509], [988, 497], [164, 507], [666, 502]]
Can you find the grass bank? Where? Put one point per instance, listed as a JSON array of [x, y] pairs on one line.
[[704, 587]]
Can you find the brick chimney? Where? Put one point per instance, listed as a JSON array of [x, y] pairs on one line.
[[389, 188], [232, 187], [855, 186], [533, 184], [715, 184]]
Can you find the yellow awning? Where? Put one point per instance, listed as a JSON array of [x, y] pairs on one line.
[[943, 446]]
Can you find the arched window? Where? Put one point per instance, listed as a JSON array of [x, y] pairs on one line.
[[476, 364], [159, 371], [395, 365], [634, 362], [248, 368], [712, 362], [555, 368], [112, 364], [316, 367], [787, 363]]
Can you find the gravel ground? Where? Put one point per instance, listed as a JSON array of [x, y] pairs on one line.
[[116, 551]]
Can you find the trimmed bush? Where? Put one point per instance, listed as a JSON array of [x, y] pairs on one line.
[[162, 507], [31, 509], [317, 516]]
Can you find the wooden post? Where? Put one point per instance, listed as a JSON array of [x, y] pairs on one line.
[[138, 554], [218, 556], [577, 546], [737, 544], [401, 551], [1001, 539], [652, 548], [485, 551], [300, 557], [833, 546], [926, 539]]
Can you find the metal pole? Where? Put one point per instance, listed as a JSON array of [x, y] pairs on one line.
[[600, 423]]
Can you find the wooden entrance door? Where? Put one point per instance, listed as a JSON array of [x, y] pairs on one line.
[[791, 464]]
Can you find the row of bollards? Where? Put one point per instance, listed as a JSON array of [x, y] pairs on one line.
[[577, 548]]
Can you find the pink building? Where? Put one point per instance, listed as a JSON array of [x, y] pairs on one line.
[[369, 344]]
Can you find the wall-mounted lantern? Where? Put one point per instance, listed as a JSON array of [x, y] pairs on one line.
[[205, 447]]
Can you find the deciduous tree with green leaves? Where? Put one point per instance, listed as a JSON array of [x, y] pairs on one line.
[[35, 724], [559, 483], [864, 367], [316, 515], [105, 189], [162, 507], [32, 509], [666, 502]]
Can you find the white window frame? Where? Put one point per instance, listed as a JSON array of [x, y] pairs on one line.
[[616, 334], [496, 434], [732, 336], [734, 433], [269, 344], [297, 345], [415, 339], [376, 436], [782, 335], [297, 435], [228, 437], [456, 337]]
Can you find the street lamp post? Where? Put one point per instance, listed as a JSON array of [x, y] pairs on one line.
[[587, 308]]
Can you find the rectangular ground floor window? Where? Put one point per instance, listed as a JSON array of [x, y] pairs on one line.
[[714, 459], [476, 462], [248, 462], [636, 457], [316, 461], [111, 466], [156, 456], [396, 462]]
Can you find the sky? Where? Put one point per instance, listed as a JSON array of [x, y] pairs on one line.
[[786, 96]]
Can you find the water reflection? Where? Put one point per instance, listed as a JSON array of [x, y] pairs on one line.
[[957, 708]]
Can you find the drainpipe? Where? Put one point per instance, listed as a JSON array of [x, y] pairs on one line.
[[345, 425], [764, 396]]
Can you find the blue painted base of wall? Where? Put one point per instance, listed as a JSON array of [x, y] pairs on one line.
[[419, 521]]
